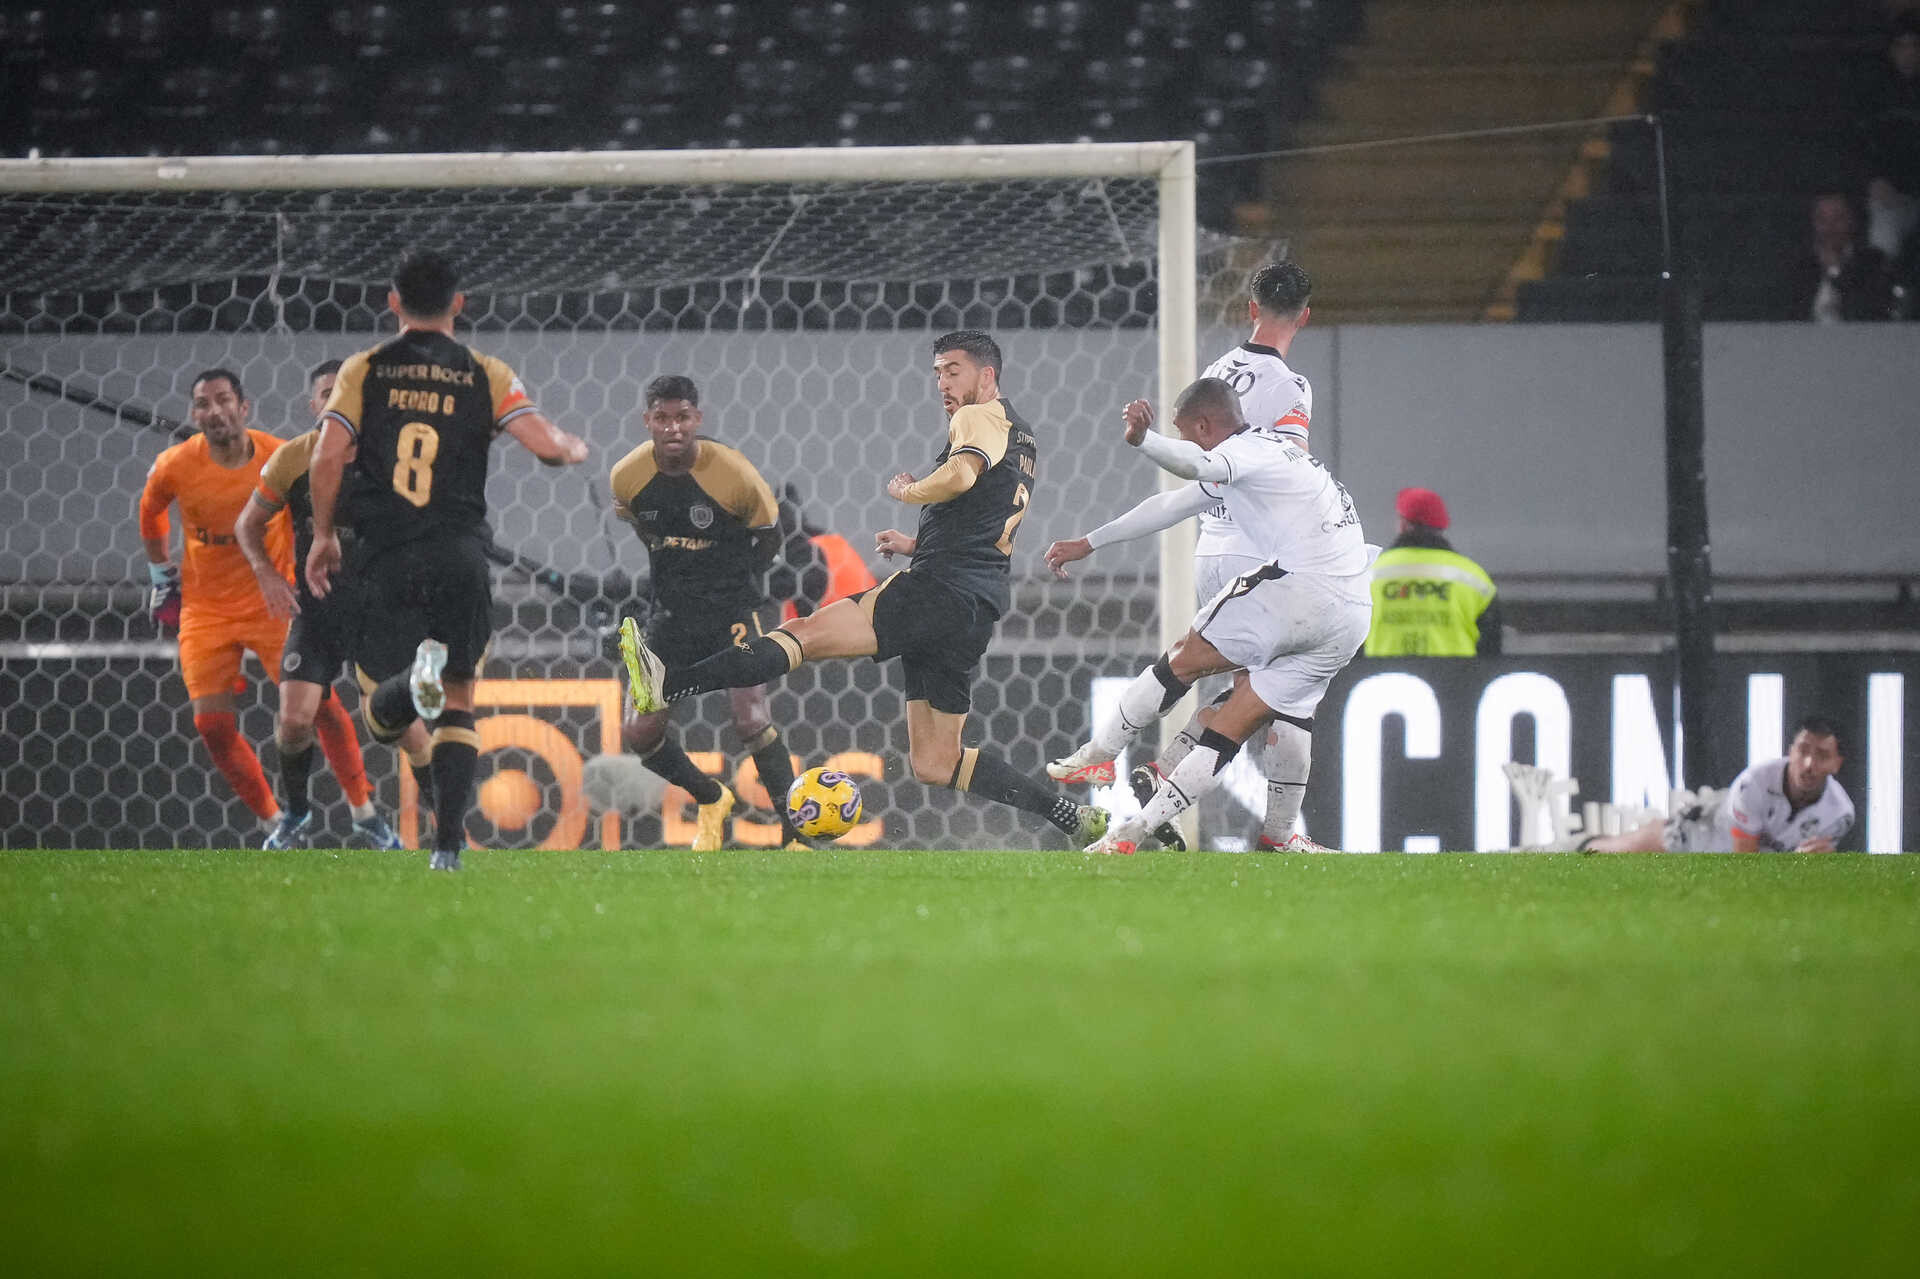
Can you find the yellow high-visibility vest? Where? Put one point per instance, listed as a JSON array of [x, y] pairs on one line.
[[1427, 603]]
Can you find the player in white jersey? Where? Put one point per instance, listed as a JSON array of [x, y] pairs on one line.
[[1287, 628], [1791, 804], [1272, 398]]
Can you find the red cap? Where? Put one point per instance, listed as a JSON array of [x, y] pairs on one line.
[[1422, 506]]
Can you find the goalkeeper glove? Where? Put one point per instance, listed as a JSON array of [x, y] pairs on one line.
[[163, 601]]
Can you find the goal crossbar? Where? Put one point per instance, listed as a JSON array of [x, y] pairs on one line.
[[1163, 160]]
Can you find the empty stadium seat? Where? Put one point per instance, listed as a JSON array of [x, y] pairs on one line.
[[24, 36], [951, 26], [829, 29], [604, 28], [265, 33]]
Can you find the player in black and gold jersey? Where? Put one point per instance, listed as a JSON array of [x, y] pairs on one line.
[[937, 615], [710, 525], [417, 417], [319, 640]]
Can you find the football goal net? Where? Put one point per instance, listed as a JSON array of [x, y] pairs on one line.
[[799, 289]]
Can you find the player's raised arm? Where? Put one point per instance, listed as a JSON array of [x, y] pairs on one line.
[[546, 441], [944, 483], [1154, 515], [514, 413], [1207, 410]]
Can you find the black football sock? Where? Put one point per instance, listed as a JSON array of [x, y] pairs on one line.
[[456, 755], [991, 777], [296, 768], [776, 774], [671, 762], [423, 783], [389, 709], [766, 657]]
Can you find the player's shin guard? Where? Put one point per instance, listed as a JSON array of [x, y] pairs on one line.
[[759, 660], [670, 761], [342, 747], [456, 754], [296, 770], [991, 777], [1185, 783], [220, 730], [1288, 759], [775, 767], [386, 706], [1153, 693]]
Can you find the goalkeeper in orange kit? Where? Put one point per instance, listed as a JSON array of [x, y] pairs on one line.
[[214, 599]]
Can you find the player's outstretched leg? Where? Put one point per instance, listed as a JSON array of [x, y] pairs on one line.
[[651, 738], [1153, 693], [1180, 790], [990, 777], [1288, 759], [1144, 780]]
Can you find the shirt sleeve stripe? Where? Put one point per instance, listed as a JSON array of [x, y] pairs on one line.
[[511, 414], [333, 415]]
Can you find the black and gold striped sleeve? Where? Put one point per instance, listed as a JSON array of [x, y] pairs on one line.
[[979, 428], [735, 485], [509, 395], [347, 404], [284, 469], [629, 475]]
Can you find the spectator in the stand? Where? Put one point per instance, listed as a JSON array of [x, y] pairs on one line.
[[1841, 278], [1890, 121], [814, 567], [1428, 599]]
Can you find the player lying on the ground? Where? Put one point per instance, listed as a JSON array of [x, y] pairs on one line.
[[416, 416], [711, 527], [1288, 627], [319, 643], [1790, 804], [215, 600], [938, 614], [1275, 399]]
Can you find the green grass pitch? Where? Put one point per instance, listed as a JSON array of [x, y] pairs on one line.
[[968, 1064]]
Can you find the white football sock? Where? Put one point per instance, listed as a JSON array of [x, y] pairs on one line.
[[1196, 774], [1287, 758], [1178, 748], [361, 811], [1140, 705]]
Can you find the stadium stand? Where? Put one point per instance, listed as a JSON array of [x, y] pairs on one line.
[[433, 75], [1759, 102]]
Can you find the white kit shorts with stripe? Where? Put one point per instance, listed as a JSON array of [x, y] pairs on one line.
[[1291, 632]]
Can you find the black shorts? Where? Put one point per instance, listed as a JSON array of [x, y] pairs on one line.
[[434, 588], [938, 632], [321, 639], [688, 634]]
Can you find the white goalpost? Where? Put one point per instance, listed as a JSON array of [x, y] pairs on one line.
[[800, 284]]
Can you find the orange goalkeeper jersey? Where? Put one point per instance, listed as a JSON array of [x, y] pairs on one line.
[[215, 577]]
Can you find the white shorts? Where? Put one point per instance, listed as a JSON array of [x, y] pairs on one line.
[[1211, 573], [1291, 632]]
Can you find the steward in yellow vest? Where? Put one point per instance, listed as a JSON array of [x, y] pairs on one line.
[[1428, 599]]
